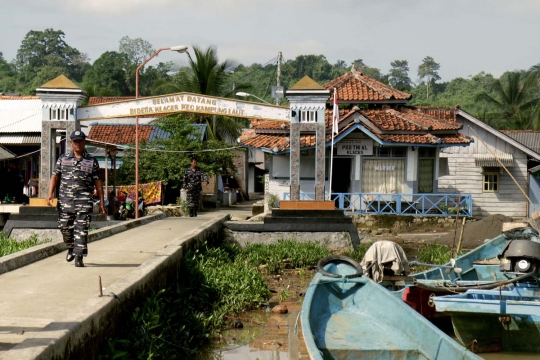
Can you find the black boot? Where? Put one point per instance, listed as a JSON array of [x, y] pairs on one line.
[[191, 213], [195, 213], [69, 255], [79, 261]]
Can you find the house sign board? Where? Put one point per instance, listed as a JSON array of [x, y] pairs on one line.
[[355, 147], [183, 102]]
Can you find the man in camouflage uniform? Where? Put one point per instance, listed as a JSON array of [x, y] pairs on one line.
[[77, 173], [193, 179]]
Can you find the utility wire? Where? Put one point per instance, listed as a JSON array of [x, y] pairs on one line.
[[163, 150]]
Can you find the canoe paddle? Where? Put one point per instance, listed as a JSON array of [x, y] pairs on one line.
[[449, 269]]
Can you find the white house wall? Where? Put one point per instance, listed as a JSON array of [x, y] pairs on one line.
[[465, 177]]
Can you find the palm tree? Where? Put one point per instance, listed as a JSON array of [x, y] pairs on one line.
[[515, 100], [207, 76]]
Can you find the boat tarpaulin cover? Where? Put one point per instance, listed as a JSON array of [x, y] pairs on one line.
[[383, 253]]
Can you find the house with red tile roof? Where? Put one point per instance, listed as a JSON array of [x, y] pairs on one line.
[[393, 158]]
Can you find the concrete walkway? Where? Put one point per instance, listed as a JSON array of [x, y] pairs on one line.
[[41, 293]]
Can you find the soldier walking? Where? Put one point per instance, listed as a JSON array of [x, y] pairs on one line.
[[77, 173], [193, 179]]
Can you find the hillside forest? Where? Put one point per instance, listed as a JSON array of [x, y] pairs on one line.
[[509, 102]]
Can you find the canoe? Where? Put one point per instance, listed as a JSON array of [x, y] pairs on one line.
[[502, 317], [477, 269], [355, 318]]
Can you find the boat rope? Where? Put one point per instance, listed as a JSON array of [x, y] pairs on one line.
[[464, 288]]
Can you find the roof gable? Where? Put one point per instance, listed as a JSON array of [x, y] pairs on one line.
[[498, 134], [60, 82], [306, 83], [355, 87]]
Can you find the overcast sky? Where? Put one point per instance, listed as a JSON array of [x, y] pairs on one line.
[[464, 36]]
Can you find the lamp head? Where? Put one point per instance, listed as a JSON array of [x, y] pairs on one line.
[[242, 94], [179, 49]]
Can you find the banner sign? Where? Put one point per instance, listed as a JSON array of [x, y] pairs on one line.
[[355, 147], [151, 192], [183, 102]]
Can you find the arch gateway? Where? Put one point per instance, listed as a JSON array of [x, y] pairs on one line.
[[61, 111]]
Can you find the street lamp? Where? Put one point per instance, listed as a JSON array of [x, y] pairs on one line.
[[179, 49], [245, 94]]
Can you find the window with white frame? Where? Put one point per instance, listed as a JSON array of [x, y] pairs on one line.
[[308, 116], [491, 181]]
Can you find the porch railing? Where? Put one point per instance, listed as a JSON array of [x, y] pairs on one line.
[[399, 204]]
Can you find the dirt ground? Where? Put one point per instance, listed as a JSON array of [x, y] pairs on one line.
[[476, 232]]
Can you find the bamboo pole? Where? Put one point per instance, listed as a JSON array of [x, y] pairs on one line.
[[460, 237]]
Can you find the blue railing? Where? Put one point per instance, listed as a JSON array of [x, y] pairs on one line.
[[399, 204]]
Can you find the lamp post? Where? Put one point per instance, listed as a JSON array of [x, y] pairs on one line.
[[179, 49], [245, 94]]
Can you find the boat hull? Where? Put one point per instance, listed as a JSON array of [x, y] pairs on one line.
[[358, 319], [496, 320], [498, 333]]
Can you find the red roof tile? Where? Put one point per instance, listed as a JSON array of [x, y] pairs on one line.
[[96, 100], [439, 113], [407, 120], [357, 87], [426, 139], [119, 134]]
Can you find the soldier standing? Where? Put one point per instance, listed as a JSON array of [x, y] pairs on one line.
[[78, 173], [193, 179]]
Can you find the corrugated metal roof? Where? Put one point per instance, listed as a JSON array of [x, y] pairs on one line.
[[20, 139], [5, 153], [489, 160], [529, 138], [160, 134], [20, 116]]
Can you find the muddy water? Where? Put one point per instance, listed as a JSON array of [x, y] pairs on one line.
[[269, 336]]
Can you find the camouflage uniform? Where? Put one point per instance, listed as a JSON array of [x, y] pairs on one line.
[[77, 178], [193, 179]]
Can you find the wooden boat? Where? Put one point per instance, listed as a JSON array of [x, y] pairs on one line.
[[478, 267], [346, 316], [501, 318]]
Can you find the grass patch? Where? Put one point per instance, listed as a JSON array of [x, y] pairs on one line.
[[217, 284], [432, 254], [358, 253], [10, 246]]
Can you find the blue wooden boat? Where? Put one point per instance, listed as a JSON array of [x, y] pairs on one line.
[[504, 317], [346, 316], [477, 268]]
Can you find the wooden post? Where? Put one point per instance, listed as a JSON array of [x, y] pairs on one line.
[[100, 288], [460, 237]]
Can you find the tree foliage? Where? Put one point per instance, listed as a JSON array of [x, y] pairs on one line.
[[169, 165], [429, 70], [112, 71], [515, 99], [398, 77], [206, 75], [137, 50], [45, 54]]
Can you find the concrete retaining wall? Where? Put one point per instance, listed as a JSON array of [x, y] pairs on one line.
[[83, 332], [338, 241]]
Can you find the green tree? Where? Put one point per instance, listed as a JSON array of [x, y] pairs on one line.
[[515, 101], [48, 49], [113, 72], [207, 76], [429, 69], [137, 50], [7, 76], [169, 165], [399, 75]]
